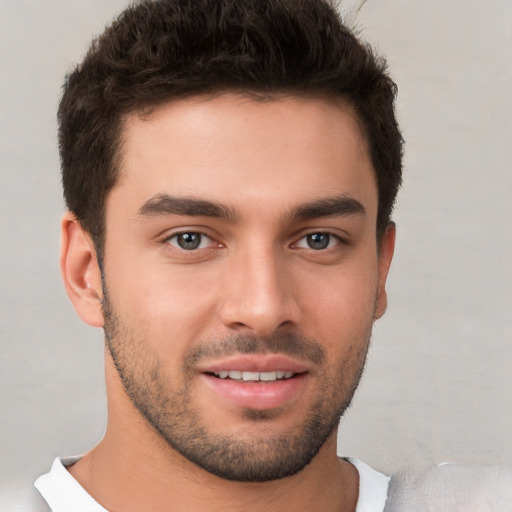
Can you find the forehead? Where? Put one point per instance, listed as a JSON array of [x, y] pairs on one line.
[[234, 149]]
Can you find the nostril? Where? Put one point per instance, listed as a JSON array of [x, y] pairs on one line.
[[238, 325], [287, 324]]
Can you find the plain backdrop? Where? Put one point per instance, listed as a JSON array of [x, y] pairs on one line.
[[438, 383]]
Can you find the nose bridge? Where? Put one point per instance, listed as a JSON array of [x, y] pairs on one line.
[[259, 295]]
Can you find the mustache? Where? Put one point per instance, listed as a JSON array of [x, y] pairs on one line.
[[286, 343]]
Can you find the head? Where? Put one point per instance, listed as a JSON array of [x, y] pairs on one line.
[[230, 168]]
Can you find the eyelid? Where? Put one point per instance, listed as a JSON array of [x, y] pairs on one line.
[[334, 240], [168, 236], [203, 239], [341, 236]]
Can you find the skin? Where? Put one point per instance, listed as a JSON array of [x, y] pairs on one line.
[[254, 275]]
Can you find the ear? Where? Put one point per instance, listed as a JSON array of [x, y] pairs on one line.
[[385, 255], [80, 271]]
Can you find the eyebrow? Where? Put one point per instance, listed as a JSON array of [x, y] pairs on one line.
[[329, 207], [163, 204]]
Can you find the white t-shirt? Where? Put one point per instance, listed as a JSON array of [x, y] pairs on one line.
[[64, 494]]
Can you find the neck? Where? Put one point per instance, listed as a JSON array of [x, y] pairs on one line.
[[134, 479]]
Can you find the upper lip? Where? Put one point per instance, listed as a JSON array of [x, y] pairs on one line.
[[253, 363]]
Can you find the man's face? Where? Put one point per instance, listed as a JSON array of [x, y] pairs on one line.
[[242, 277]]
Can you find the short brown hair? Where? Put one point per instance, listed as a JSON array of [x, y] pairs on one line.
[[161, 50]]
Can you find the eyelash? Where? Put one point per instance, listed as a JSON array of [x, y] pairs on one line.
[[331, 237], [202, 238]]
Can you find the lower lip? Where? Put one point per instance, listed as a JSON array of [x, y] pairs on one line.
[[257, 395]]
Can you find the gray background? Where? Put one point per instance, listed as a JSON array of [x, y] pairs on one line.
[[438, 384]]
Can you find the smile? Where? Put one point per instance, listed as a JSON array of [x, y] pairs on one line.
[[255, 381], [254, 376]]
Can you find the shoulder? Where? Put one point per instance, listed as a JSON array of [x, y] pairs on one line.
[[452, 486]]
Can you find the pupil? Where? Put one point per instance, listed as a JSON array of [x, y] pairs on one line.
[[318, 240], [189, 241]]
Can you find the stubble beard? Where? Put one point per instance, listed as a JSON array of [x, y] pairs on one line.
[[171, 413]]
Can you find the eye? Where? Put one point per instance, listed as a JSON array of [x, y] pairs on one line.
[[190, 241], [318, 241]]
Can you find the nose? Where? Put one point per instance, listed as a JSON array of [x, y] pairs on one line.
[[259, 294]]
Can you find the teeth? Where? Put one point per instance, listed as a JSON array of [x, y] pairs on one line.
[[255, 376], [250, 376]]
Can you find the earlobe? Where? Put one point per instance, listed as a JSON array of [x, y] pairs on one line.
[[385, 255], [80, 271]]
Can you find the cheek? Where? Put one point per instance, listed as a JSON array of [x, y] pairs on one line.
[[173, 305], [341, 319], [343, 303]]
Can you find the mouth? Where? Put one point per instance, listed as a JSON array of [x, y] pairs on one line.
[[255, 381]]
